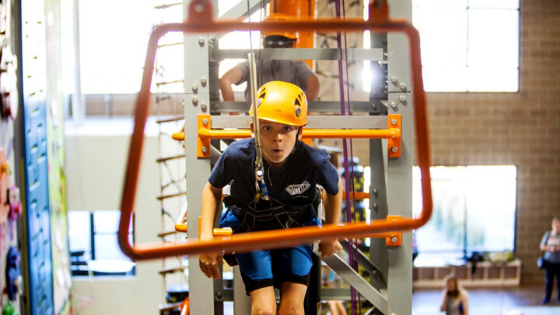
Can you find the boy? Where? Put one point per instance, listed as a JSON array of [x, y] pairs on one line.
[[292, 171]]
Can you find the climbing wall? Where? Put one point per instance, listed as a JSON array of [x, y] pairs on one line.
[[36, 234], [56, 159], [10, 204]]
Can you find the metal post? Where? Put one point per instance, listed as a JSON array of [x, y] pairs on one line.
[[196, 100], [399, 290], [378, 200], [241, 302]]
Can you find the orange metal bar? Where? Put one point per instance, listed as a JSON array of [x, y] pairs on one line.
[[394, 143], [181, 224], [205, 133], [393, 238], [217, 232], [182, 227], [357, 195], [200, 20]]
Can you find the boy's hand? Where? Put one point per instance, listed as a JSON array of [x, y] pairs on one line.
[[209, 264], [329, 247]]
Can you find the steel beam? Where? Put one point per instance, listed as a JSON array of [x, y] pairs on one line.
[[313, 122], [314, 107], [357, 282], [300, 53]]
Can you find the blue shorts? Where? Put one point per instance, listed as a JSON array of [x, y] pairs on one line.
[[264, 268]]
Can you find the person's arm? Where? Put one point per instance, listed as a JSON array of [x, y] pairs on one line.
[[233, 76], [465, 303], [312, 90], [211, 198], [544, 240], [443, 306], [332, 205]]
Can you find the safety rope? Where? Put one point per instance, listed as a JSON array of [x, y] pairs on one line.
[[260, 184]]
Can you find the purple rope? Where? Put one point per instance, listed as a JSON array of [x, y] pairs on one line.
[[348, 171], [355, 262]]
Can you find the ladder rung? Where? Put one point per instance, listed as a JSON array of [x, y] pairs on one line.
[[172, 270], [172, 195], [169, 307], [167, 233], [165, 159], [170, 119], [169, 82], [170, 44], [165, 6]]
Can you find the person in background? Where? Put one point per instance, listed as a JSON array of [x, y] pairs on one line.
[[291, 71], [455, 300], [550, 245]]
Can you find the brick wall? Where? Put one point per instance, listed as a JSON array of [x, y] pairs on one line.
[[521, 128]]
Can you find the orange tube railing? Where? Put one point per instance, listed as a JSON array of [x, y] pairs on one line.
[[206, 133], [200, 20], [358, 195]]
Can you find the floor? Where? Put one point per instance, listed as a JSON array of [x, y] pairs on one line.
[[523, 300]]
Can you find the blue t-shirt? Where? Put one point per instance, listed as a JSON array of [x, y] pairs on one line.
[[292, 187], [551, 240]]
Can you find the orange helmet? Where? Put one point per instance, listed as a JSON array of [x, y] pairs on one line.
[[282, 102], [279, 17]]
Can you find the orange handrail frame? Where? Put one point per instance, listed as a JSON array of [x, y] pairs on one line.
[[201, 20], [205, 133]]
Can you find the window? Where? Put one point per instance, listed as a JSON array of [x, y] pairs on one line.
[[93, 244], [469, 45], [474, 210], [113, 45]]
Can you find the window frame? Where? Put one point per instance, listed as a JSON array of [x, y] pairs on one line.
[[77, 255], [473, 73]]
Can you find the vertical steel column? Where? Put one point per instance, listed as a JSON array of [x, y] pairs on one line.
[[378, 162], [399, 291], [196, 101], [241, 302], [378, 201]]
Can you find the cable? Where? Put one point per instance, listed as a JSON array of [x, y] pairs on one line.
[[348, 171]]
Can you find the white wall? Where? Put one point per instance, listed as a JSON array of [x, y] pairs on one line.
[[96, 157]]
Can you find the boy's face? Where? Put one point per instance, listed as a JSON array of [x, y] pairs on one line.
[[277, 141]]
